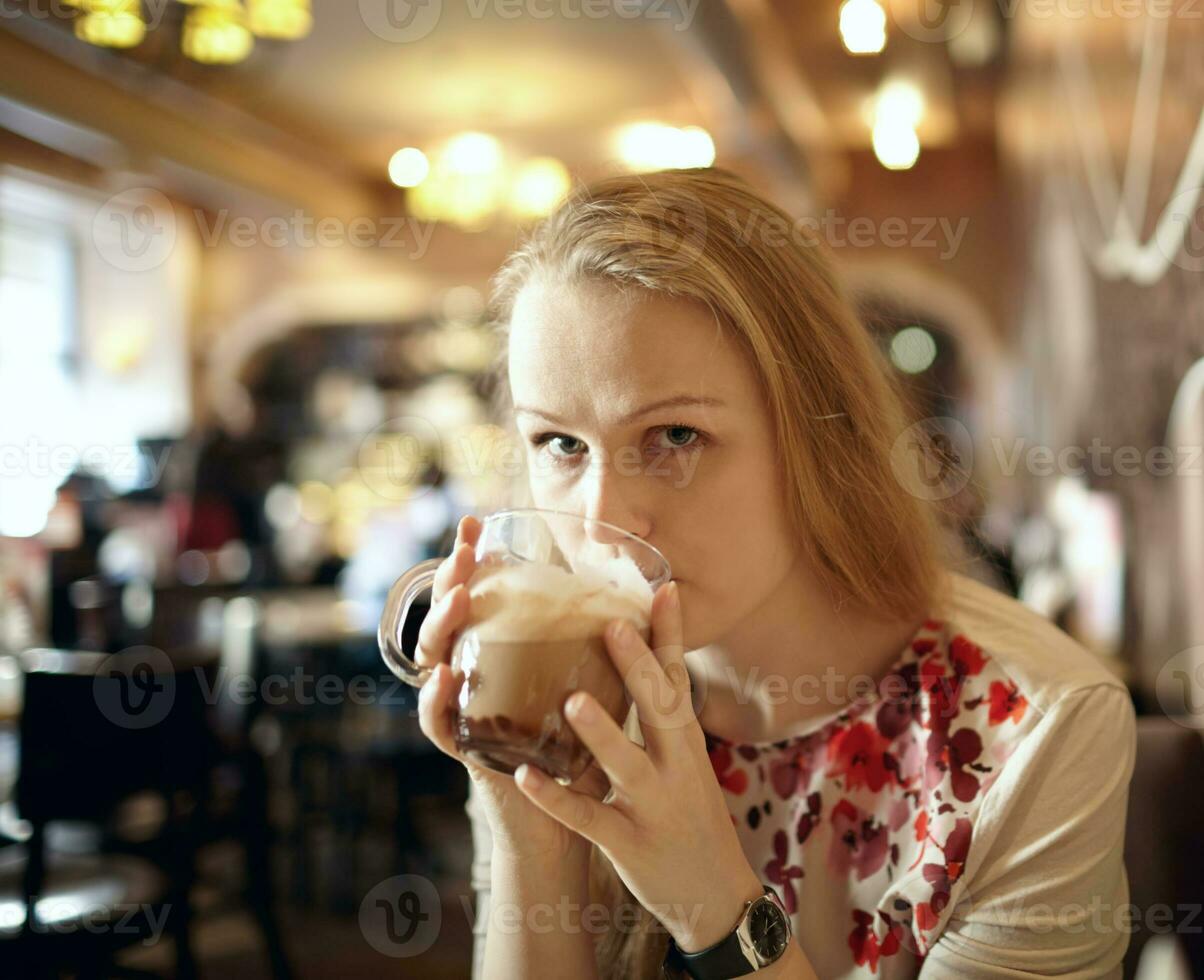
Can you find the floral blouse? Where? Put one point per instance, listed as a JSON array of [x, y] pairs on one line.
[[957, 819], [965, 820]]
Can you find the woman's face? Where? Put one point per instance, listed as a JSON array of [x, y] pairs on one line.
[[641, 412]]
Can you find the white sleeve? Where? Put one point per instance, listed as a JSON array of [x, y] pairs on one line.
[[482, 850], [1045, 891]]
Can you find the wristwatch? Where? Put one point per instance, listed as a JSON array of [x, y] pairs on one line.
[[759, 938]]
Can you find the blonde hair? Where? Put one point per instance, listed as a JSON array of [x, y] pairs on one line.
[[840, 415]]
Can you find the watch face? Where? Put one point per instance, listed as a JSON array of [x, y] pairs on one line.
[[767, 929]]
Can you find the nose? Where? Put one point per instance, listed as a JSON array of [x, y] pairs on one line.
[[610, 497]]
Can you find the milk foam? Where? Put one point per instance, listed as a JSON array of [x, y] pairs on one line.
[[510, 602]]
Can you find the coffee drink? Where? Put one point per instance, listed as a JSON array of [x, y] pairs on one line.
[[534, 636]]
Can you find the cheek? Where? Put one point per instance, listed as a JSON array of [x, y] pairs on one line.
[[738, 548], [546, 490]]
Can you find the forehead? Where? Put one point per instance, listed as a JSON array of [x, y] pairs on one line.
[[591, 344]]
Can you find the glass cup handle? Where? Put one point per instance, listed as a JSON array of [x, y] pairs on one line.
[[397, 607]]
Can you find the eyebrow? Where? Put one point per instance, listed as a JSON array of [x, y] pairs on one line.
[[677, 401]]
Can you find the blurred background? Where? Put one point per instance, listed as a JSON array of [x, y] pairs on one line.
[[244, 255]]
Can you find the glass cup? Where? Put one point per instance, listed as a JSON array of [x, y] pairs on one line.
[[545, 586]]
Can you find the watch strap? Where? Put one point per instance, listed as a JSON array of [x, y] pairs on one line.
[[726, 958]]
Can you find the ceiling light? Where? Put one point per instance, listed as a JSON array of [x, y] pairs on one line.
[[472, 153], [408, 167], [540, 185], [897, 110], [646, 146], [280, 20], [113, 24], [896, 145], [215, 35], [900, 100], [862, 26]]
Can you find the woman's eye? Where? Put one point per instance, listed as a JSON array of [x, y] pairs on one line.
[[674, 438], [679, 436], [574, 447]]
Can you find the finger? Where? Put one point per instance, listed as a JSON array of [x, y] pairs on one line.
[[453, 570], [668, 632], [435, 708], [656, 677], [592, 819], [438, 626], [624, 763], [593, 782], [459, 565], [468, 530]]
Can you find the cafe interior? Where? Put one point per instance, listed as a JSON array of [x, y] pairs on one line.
[[246, 381]]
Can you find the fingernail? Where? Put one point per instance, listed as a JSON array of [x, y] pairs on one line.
[[528, 776], [621, 633], [674, 598], [581, 708]]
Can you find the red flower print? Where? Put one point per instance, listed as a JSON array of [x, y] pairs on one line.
[[926, 917], [807, 822], [932, 672], [733, 780], [791, 772], [900, 703], [859, 843], [942, 876], [866, 947], [779, 873], [953, 756], [1006, 702], [858, 753], [944, 693], [957, 847], [863, 942], [966, 657]]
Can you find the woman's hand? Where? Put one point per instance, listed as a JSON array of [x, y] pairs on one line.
[[667, 829], [519, 828]]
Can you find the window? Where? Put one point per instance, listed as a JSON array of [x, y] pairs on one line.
[[38, 358]]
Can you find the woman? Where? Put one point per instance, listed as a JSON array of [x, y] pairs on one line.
[[930, 779]]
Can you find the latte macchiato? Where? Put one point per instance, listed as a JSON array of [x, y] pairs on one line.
[[534, 636]]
